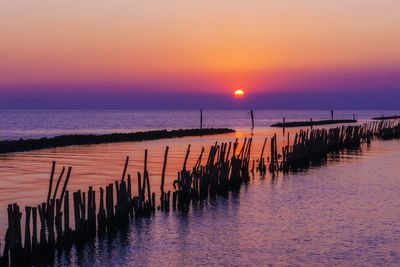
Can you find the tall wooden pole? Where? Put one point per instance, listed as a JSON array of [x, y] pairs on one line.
[[284, 120], [201, 119], [252, 119]]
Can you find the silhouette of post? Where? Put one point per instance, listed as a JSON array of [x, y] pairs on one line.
[[252, 119], [201, 119], [332, 114], [283, 123]]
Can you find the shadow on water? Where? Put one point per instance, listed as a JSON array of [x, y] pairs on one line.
[[319, 162], [134, 241], [111, 249]]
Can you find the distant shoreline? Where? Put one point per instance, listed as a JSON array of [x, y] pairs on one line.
[[382, 118], [311, 123], [23, 145]]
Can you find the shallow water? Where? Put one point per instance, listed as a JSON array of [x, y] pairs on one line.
[[345, 212]]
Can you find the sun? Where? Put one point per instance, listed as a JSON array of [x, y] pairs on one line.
[[239, 92]]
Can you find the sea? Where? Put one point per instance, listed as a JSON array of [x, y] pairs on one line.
[[343, 211]]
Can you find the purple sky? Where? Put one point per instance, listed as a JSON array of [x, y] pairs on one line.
[[42, 98]]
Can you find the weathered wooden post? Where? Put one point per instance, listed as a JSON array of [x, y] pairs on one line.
[[110, 207], [77, 212], [125, 168], [27, 245], [65, 184], [53, 166], [58, 221], [91, 212], [101, 216], [14, 238], [186, 157], [34, 230], [42, 216], [58, 183], [163, 196], [66, 213]]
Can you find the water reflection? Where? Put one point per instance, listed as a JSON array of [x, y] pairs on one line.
[[328, 215]]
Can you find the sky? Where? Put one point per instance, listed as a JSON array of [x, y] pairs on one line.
[[92, 51]]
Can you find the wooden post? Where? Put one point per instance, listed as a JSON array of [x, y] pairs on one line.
[[125, 168], [27, 245], [263, 147], [284, 125], [83, 208], [50, 223], [186, 158], [65, 183], [53, 166], [129, 188], [110, 206], [163, 196], [140, 186], [58, 221], [77, 213], [42, 211], [163, 170], [101, 217], [66, 212], [252, 119], [145, 162], [11, 228], [58, 183], [14, 238], [201, 119], [34, 229], [89, 207], [146, 177], [91, 212], [198, 162]]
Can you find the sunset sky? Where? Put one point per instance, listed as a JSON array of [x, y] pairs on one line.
[[199, 47]]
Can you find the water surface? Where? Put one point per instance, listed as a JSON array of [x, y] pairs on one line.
[[344, 212], [35, 124]]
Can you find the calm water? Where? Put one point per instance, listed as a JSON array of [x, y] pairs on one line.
[[345, 212], [34, 124]]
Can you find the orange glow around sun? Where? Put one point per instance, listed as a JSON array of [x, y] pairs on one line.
[[238, 93]]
